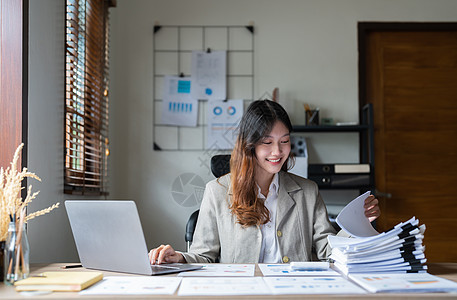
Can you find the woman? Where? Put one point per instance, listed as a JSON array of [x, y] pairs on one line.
[[260, 213]]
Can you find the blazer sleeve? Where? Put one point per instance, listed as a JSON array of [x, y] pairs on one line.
[[322, 229], [206, 246]]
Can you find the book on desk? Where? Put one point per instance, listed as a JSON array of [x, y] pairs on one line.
[[59, 281]]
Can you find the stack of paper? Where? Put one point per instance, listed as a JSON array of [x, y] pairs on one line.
[[397, 250]]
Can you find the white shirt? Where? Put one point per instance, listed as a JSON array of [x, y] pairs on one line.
[[269, 250]]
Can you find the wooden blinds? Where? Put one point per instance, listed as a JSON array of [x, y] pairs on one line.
[[86, 97]]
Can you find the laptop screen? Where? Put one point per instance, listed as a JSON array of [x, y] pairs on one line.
[[108, 235]]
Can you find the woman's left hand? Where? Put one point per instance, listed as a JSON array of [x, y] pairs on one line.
[[372, 210]]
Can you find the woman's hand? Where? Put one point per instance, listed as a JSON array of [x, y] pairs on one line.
[[372, 210], [165, 254]]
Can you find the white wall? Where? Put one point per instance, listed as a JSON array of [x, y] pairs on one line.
[[306, 48], [50, 236]]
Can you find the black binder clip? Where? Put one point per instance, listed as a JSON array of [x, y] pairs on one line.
[[208, 50], [225, 100], [181, 74]]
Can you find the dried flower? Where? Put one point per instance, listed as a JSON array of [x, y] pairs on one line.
[[11, 203]]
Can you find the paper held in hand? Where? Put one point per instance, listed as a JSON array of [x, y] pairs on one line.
[[352, 218]]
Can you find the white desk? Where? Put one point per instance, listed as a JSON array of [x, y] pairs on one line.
[[445, 270]]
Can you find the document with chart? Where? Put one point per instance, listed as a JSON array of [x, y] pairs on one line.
[[179, 108], [223, 118], [134, 285], [286, 270], [209, 75], [220, 270], [312, 285], [223, 286], [401, 283]]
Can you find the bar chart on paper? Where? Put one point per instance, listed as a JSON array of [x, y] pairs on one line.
[[179, 108]]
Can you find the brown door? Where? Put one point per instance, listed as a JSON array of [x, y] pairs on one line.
[[411, 79], [13, 79]]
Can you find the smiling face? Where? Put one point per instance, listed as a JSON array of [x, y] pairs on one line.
[[272, 152]]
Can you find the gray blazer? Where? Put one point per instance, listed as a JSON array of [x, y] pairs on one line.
[[301, 225]]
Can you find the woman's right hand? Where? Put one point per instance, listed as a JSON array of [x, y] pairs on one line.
[[165, 254]]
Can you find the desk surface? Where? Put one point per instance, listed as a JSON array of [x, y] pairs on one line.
[[444, 270]]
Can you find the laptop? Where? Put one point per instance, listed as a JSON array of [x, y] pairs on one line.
[[109, 236]]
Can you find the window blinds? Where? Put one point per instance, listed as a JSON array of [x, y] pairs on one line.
[[86, 96]]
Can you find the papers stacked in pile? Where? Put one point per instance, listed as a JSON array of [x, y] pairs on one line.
[[397, 250]]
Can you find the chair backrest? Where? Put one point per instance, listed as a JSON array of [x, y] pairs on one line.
[[220, 164], [190, 228]]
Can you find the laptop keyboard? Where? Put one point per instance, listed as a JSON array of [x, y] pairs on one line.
[[162, 267]]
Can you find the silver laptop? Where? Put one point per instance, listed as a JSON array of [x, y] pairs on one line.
[[109, 236]]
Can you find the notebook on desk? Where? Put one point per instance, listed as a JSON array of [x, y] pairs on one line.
[[109, 236]]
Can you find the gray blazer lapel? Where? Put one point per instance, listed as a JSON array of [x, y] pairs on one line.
[[285, 201]]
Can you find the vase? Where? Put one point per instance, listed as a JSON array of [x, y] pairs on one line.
[[2, 263], [16, 254]]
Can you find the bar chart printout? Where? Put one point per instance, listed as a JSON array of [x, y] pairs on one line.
[[179, 108]]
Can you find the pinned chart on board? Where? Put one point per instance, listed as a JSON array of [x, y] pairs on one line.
[[179, 107], [223, 119], [209, 71]]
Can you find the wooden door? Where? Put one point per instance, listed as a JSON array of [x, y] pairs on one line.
[[13, 79], [411, 79]]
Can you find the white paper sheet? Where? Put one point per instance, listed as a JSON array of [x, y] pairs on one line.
[[412, 282], [221, 270], [134, 285], [284, 270], [301, 167], [223, 286], [312, 285], [352, 218], [209, 75], [178, 107], [223, 120]]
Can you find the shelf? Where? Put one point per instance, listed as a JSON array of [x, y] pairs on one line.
[[330, 128], [365, 130], [364, 187]]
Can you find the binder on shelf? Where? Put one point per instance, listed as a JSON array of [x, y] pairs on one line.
[[340, 180], [338, 168]]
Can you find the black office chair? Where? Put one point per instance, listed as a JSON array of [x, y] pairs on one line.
[[220, 165]]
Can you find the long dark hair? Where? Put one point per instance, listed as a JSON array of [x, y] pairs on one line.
[[257, 122]]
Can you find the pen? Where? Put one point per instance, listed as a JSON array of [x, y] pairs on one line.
[[71, 266]]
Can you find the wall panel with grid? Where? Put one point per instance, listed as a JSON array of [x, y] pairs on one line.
[[173, 46]]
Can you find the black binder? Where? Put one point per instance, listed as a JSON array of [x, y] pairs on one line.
[[340, 180], [338, 169]]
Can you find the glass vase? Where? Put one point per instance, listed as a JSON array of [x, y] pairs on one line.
[[16, 254], [2, 260]]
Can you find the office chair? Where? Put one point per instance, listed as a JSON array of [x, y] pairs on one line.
[[220, 165]]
